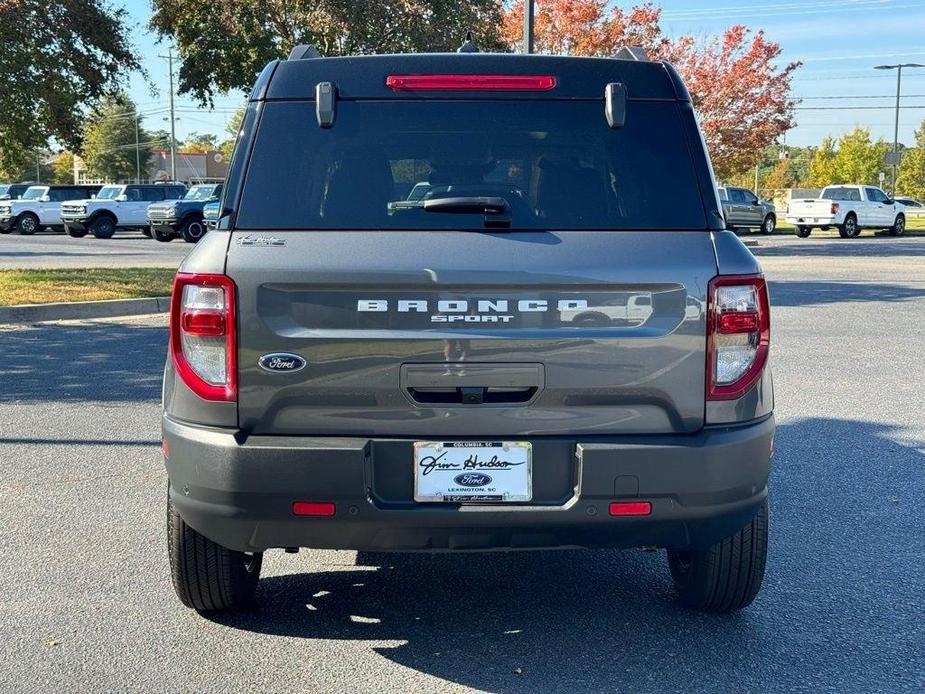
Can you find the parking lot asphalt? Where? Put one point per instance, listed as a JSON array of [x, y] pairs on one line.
[[53, 250], [87, 604]]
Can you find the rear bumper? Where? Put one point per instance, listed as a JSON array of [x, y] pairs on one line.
[[238, 491], [809, 220]]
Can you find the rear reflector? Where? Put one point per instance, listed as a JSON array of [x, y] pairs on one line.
[[313, 508], [631, 508], [488, 83]]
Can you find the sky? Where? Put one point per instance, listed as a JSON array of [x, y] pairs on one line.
[[838, 41]]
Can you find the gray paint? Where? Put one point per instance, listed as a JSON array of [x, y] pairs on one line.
[[301, 298]]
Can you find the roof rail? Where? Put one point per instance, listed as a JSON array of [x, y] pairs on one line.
[[632, 53], [303, 51]]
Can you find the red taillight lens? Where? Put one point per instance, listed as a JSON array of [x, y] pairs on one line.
[[488, 83], [834, 208], [313, 508], [202, 334], [738, 334]]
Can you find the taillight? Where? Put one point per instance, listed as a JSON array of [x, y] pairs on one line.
[[738, 334], [496, 83], [202, 334], [834, 208]]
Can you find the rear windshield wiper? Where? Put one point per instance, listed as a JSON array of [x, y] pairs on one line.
[[497, 211]]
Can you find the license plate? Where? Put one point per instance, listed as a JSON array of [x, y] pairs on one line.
[[473, 471]]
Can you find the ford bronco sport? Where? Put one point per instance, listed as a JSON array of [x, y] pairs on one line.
[[353, 366]]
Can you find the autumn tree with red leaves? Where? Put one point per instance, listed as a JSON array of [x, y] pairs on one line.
[[742, 97]]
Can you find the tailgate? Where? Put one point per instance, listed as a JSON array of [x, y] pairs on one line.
[[457, 333], [811, 208]]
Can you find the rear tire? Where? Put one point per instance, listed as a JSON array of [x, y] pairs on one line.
[[726, 576], [899, 226], [193, 229], [103, 227], [850, 229], [75, 233], [769, 224], [803, 232], [205, 575], [27, 224]]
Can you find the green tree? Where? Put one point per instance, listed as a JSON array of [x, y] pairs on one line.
[[822, 169], [57, 57], [234, 125], [201, 143], [109, 140], [63, 168], [859, 160], [224, 45], [911, 179]]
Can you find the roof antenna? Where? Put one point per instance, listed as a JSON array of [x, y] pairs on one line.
[[468, 45]]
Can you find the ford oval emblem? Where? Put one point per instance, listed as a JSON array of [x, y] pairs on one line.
[[472, 479], [281, 362]]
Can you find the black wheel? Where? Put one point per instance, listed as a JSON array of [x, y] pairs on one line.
[[803, 232], [146, 231], [163, 234], [726, 576], [6, 231], [27, 224], [205, 575], [193, 229], [75, 233], [850, 229], [103, 227], [769, 224], [899, 226]]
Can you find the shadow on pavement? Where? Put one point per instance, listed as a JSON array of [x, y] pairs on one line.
[[841, 607], [808, 293], [75, 362], [842, 248]]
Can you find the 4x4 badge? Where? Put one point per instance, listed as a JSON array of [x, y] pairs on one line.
[[281, 362]]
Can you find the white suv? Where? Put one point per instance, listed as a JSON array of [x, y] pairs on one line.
[[39, 207], [116, 207]]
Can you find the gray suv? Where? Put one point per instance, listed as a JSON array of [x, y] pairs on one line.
[[345, 372], [745, 210]]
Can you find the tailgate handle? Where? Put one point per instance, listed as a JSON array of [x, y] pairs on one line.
[[472, 384]]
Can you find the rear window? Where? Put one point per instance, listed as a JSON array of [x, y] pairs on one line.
[[556, 163], [841, 194]]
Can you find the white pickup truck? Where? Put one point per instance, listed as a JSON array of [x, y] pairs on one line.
[[849, 208]]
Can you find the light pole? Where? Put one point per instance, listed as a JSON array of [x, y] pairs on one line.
[[899, 79], [528, 26]]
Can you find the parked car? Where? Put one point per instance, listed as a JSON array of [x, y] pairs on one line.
[[343, 375], [183, 218], [849, 208], [12, 191], [40, 207], [744, 210], [116, 207], [910, 202], [210, 212]]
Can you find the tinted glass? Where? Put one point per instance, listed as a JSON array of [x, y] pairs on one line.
[[841, 194], [556, 163], [152, 194], [737, 195], [875, 195]]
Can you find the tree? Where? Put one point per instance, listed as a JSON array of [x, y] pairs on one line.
[[57, 57], [224, 45], [234, 125], [859, 160], [201, 143], [63, 168], [741, 95], [109, 140], [822, 170], [911, 179]]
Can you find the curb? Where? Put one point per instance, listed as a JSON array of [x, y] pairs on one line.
[[113, 308]]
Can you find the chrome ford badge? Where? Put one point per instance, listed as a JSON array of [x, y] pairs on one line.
[[281, 362]]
